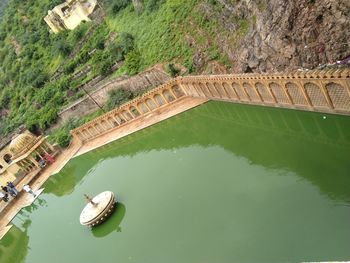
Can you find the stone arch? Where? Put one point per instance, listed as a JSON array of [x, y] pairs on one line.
[[315, 94], [339, 96], [177, 91], [134, 111], [91, 130], [168, 96], [122, 118], [142, 106], [229, 91], [264, 92], [279, 93], [212, 89], [239, 91], [190, 89], [105, 125], [97, 126], [151, 104], [111, 122], [7, 158], [118, 118], [85, 133], [159, 99], [193, 89], [296, 94], [251, 92], [221, 90], [198, 90], [82, 136], [127, 115], [204, 89]]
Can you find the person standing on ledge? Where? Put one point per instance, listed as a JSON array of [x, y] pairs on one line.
[[4, 197], [12, 189], [5, 189], [28, 189]]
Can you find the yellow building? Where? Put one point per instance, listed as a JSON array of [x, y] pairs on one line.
[[22, 156], [70, 14]]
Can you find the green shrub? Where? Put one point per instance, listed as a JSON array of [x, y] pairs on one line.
[[63, 138], [126, 42], [5, 98], [70, 67], [105, 67], [133, 62], [63, 48], [48, 116], [79, 32], [119, 5], [172, 70], [118, 97], [153, 5], [32, 122]]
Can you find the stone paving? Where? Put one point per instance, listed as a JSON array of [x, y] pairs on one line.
[[38, 177]]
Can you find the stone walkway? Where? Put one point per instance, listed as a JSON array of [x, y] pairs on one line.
[[38, 177]]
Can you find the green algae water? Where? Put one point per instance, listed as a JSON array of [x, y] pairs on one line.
[[219, 183]]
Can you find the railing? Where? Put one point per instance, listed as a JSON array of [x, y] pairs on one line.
[[326, 91], [318, 90], [135, 109]]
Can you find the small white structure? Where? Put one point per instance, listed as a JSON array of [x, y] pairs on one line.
[[98, 209], [70, 14]]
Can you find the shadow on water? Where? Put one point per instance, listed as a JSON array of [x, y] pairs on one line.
[[112, 224], [11, 246], [315, 146]]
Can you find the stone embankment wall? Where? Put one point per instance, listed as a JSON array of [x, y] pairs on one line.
[[273, 35], [152, 77], [324, 91]]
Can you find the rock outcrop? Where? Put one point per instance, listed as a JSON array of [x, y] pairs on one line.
[[280, 35]]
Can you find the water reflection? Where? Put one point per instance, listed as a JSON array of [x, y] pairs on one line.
[[315, 146], [26, 211], [112, 224], [11, 246]]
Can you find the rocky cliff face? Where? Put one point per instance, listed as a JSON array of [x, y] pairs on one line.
[[280, 35]]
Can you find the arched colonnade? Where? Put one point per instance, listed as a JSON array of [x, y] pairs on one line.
[[130, 111], [319, 90], [330, 95]]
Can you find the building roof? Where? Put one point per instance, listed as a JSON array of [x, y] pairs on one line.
[[20, 142]]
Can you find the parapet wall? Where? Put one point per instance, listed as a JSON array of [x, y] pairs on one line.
[[325, 91], [85, 105], [320, 90]]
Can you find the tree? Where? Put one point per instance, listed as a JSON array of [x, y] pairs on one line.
[[118, 97], [133, 62], [63, 48]]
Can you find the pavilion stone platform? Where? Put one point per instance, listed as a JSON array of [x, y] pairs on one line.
[[98, 209]]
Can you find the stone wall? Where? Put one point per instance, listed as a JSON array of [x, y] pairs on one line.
[[319, 90], [84, 106], [273, 35]]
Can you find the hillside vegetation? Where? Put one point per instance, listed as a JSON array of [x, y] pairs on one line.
[[39, 70], [3, 4], [37, 73], [37, 76]]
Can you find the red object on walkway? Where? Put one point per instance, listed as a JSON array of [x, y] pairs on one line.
[[49, 158]]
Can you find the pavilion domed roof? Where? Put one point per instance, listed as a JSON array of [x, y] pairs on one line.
[[21, 141]]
